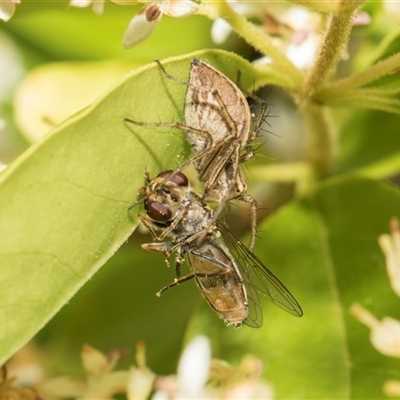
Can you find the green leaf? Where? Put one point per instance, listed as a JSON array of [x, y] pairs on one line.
[[369, 144], [326, 252], [117, 308], [70, 33], [64, 203], [78, 84]]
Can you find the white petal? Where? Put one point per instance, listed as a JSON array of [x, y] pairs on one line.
[[140, 383], [142, 25], [385, 337], [220, 31], [249, 9], [94, 361], [7, 9], [126, 2], [250, 389], [390, 245], [385, 334], [303, 55], [194, 365], [98, 6], [179, 8], [80, 3], [391, 388]]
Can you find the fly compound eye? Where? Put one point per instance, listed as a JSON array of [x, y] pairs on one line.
[[179, 178], [157, 211]]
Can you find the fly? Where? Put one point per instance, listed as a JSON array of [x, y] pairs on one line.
[[227, 273]]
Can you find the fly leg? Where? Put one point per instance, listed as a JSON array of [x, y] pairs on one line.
[[185, 278], [180, 258], [166, 249], [176, 282], [149, 224]]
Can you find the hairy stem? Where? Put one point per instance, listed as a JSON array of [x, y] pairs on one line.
[[320, 132], [382, 68], [333, 43], [259, 40], [321, 140]]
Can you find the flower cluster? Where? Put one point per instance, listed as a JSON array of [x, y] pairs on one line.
[[295, 30], [385, 334], [8, 390], [198, 377]]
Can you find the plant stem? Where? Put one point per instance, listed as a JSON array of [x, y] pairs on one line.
[[321, 136], [259, 40], [322, 6], [298, 172], [321, 140], [332, 46], [382, 68]]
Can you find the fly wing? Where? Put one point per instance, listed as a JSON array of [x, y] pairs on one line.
[[258, 278], [254, 317]]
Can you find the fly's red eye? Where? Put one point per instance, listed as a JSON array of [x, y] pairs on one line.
[[157, 211], [179, 178], [165, 174]]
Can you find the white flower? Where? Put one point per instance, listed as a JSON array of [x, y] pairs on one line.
[[221, 29], [385, 334], [252, 386], [295, 30], [97, 5], [200, 377], [392, 8], [193, 370], [194, 366], [391, 388], [141, 378], [390, 245], [7, 8], [143, 24], [101, 381]]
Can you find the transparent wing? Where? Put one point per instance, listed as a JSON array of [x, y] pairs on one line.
[[255, 316], [259, 280]]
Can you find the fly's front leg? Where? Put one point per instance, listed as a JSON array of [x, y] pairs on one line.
[[164, 248], [149, 224]]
